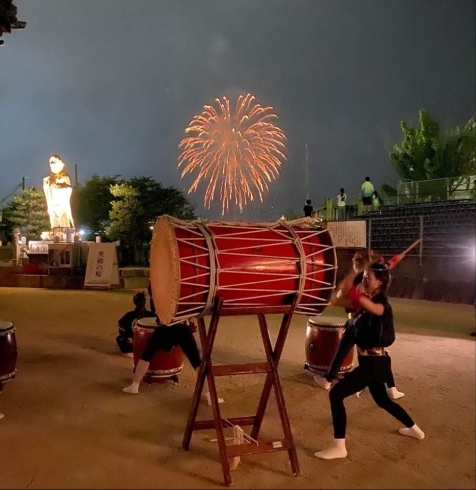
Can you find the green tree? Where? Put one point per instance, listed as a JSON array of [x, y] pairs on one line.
[[126, 214], [27, 211], [425, 155], [92, 203], [418, 156], [157, 199], [138, 202], [459, 153]]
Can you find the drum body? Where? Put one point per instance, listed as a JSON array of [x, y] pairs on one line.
[[247, 264], [164, 365], [8, 352], [322, 341]]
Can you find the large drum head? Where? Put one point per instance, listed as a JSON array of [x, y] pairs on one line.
[[327, 321], [148, 322], [5, 326], [164, 269]]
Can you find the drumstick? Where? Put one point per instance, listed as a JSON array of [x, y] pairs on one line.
[[397, 258]]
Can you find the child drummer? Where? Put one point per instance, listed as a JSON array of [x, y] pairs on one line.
[[340, 298], [126, 333]]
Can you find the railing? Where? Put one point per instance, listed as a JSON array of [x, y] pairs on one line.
[[408, 192], [329, 212], [450, 188]]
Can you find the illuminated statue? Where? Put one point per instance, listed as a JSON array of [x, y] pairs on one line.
[[57, 188]]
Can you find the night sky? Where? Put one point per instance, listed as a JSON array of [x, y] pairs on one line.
[[110, 85]]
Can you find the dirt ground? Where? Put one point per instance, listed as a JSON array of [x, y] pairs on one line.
[[68, 425]]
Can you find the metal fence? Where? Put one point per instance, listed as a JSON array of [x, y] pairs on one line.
[[451, 188], [408, 192], [452, 236]]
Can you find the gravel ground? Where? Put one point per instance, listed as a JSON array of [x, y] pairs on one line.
[[68, 425]]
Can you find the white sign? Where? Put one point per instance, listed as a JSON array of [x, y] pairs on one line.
[[102, 270], [348, 234], [38, 247]]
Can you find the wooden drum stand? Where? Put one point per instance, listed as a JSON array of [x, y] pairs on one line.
[[269, 367]]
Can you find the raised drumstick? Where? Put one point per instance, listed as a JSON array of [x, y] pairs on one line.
[[397, 258]]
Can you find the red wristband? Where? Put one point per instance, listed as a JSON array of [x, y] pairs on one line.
[[355, 295]]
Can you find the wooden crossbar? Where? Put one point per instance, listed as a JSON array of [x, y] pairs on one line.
[[270, 368]]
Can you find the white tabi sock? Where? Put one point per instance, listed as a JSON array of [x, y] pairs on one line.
[[208, 399], [394, 394], [336, 450], [141, 368], [414, 431]]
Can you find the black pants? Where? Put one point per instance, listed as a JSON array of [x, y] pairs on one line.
[[167, 337], [390, 381], [372, 371], [124, 345]]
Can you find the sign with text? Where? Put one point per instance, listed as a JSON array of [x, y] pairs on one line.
[[102, 269], [38, 247], [348, 234]]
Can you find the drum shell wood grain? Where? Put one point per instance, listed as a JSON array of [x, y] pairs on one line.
[[164, 365], [323, 336], [247, 264], [8, 352]]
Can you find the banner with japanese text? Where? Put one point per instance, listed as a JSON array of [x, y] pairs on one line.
[[102, 268]]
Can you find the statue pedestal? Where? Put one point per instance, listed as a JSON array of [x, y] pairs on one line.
[[63, 235]]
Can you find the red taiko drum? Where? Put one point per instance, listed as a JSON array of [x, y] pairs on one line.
[[8, 352], [322, 341], [164, 365], [247, 264]]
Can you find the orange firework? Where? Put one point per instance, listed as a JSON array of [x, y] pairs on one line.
[[238, 150]]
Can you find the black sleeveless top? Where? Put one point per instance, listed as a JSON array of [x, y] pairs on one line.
[[366, 331]]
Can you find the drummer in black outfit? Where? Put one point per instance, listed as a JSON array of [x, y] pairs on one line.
[[371, 330], [358, 265], [166, 337], [126, 333]]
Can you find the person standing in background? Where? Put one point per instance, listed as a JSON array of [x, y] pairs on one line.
[[308, 209], [341, 202], [376, 201], [367, 191]]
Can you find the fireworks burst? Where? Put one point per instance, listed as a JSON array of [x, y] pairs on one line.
[[239, 151]]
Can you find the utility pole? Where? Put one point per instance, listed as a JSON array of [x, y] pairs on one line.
[[23, 183], [75, 174], [306, 172]]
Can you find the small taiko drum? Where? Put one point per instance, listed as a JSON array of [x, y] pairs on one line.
[[322, 341], [164, 365], [246, 264], [8, 352]]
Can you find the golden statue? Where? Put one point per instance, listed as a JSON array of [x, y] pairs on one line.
[[57, 188]]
